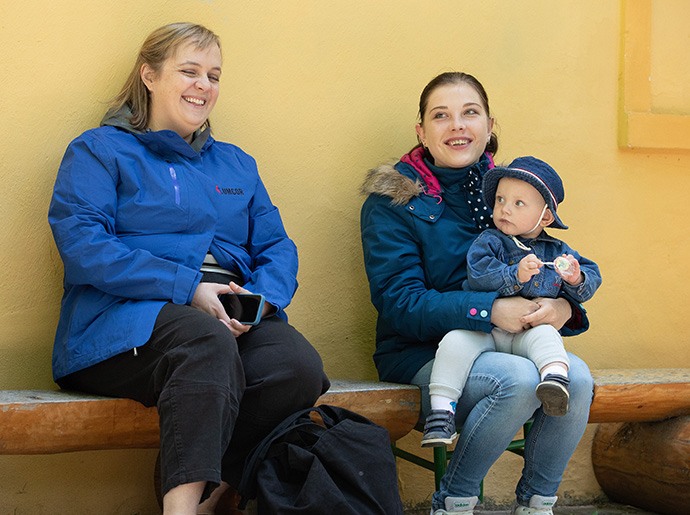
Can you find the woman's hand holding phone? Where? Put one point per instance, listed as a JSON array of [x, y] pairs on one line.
[[246, 308], [206, 299], [236, 327]]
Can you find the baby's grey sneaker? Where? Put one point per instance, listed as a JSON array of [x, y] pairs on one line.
[[458, 505], [553, 392], [538, 505], [439, 428]]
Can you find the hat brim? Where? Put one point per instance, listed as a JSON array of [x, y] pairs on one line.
[[490, 184]]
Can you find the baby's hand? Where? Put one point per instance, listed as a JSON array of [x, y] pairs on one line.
[[572, 275], [528, 267]]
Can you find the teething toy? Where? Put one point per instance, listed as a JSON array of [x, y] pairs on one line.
[[560, 263]]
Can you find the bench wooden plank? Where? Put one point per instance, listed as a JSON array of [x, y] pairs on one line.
[[393, 406], [640, 395], [48, 422]]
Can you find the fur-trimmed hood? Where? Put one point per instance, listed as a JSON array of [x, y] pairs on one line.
[[386, 180]]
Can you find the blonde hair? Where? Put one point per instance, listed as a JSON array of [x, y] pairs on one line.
[[161, 44]]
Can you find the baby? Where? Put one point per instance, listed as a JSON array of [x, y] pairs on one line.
[[516, 258]]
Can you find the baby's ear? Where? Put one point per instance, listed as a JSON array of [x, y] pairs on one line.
[[548, 218]]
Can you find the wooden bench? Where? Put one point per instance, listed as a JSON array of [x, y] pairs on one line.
[[640, 395], [49, 422], [641, 451]]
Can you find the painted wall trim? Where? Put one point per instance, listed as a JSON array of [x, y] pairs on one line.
[[638, 125]]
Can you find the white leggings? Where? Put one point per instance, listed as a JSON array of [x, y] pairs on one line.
[[458, 350]]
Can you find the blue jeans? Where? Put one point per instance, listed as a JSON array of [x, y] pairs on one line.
[[498, 399]]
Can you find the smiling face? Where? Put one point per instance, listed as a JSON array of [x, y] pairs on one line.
[[519, 209], [456, 126], [184, 91]]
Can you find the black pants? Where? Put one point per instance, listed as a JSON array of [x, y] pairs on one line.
[[217, 396]]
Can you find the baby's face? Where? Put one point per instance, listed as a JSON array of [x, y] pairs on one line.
[[518, 209]]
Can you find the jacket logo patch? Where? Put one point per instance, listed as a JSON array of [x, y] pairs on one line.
[[229, 191]]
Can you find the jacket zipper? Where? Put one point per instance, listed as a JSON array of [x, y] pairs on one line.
[[176, 185]]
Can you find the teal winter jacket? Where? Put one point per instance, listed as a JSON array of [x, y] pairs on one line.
[[415, 250]]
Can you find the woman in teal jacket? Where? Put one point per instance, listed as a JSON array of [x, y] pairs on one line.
[[154, 219], [417, 223]]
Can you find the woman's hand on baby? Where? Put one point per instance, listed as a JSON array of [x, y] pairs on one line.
[[572, 275], [528, 267], [509, 313], [554, 312]]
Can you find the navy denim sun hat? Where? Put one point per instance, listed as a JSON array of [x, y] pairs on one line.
[[533, 171]]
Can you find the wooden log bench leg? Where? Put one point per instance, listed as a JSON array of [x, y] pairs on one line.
[[645, 464]]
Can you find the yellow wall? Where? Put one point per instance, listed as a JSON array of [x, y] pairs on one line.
[[319, 92]]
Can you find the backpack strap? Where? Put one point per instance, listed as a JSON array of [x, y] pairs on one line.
[[331, 415]]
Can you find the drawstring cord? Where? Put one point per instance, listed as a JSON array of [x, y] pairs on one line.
[[522, 245]]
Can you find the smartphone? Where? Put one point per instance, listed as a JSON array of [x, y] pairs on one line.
[[246, 308]]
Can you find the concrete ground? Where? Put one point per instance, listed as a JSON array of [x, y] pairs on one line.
[[599, 509], [608, 509], [602, 508]]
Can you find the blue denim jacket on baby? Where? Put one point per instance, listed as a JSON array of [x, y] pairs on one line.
[[492, 264]]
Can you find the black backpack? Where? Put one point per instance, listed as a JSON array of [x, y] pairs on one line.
[[343, 467]]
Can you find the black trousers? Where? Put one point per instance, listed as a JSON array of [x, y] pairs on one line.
[[217, 396]]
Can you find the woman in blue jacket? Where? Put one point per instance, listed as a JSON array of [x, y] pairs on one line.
[[418, 222], [154, 219]]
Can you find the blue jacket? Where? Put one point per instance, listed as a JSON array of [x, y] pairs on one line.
[[493, 259], [133, 215], [415, 253]]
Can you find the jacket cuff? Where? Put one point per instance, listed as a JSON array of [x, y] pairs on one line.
[[186, 281], [576, 292], [478, 311]]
